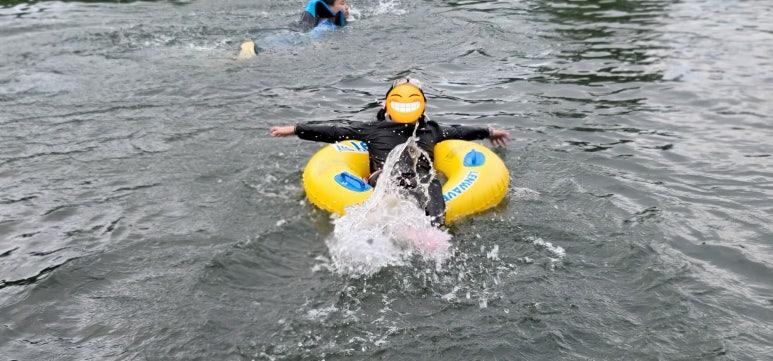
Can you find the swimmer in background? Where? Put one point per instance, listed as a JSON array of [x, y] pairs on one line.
[[328, 13], [318, 14], [394, 125]]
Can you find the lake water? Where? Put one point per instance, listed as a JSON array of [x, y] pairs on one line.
[[146, 214]]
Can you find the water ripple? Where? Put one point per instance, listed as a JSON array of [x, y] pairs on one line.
[[144, 210]]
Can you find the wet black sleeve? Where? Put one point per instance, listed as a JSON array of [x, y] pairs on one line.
[[463, 132], [330, 132]]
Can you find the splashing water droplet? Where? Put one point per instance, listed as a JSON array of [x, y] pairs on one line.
[[389, 227]]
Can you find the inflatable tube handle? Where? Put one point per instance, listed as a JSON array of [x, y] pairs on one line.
[[351, 182], [474, 158]]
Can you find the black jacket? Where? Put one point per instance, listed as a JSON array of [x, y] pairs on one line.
[[383, 136]]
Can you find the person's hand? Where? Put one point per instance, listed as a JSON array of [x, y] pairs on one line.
[[282, 131], [498, 137], [346, 10]]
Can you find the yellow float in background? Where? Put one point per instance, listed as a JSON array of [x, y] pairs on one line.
[[477, 178]]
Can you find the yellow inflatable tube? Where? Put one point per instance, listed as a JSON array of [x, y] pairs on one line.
[[477, 178]]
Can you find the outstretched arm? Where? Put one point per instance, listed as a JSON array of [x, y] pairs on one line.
[[321, 131], [498, 137], [283, 131]]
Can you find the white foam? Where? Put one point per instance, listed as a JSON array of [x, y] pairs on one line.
[[494, 253], [389, 7], [482, 302], [319, 314], [451, 296], [555, 250], [354, 14], [525, 194], [324, 265]]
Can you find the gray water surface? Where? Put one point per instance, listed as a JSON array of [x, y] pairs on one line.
[[145, 214]]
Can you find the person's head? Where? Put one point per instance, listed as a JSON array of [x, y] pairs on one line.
[[405, 101], [336, 5]]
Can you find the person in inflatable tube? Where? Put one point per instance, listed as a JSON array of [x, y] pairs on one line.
[[327, 13], [395, 123]]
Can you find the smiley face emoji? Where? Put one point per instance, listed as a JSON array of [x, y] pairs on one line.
[[405, 103]]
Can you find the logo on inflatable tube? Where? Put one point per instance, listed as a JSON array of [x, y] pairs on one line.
[[460, 188], [353, 146]]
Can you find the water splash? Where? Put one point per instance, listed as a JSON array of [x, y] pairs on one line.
[[354, 14], [389, 7], [557, 251], [390, 227]]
